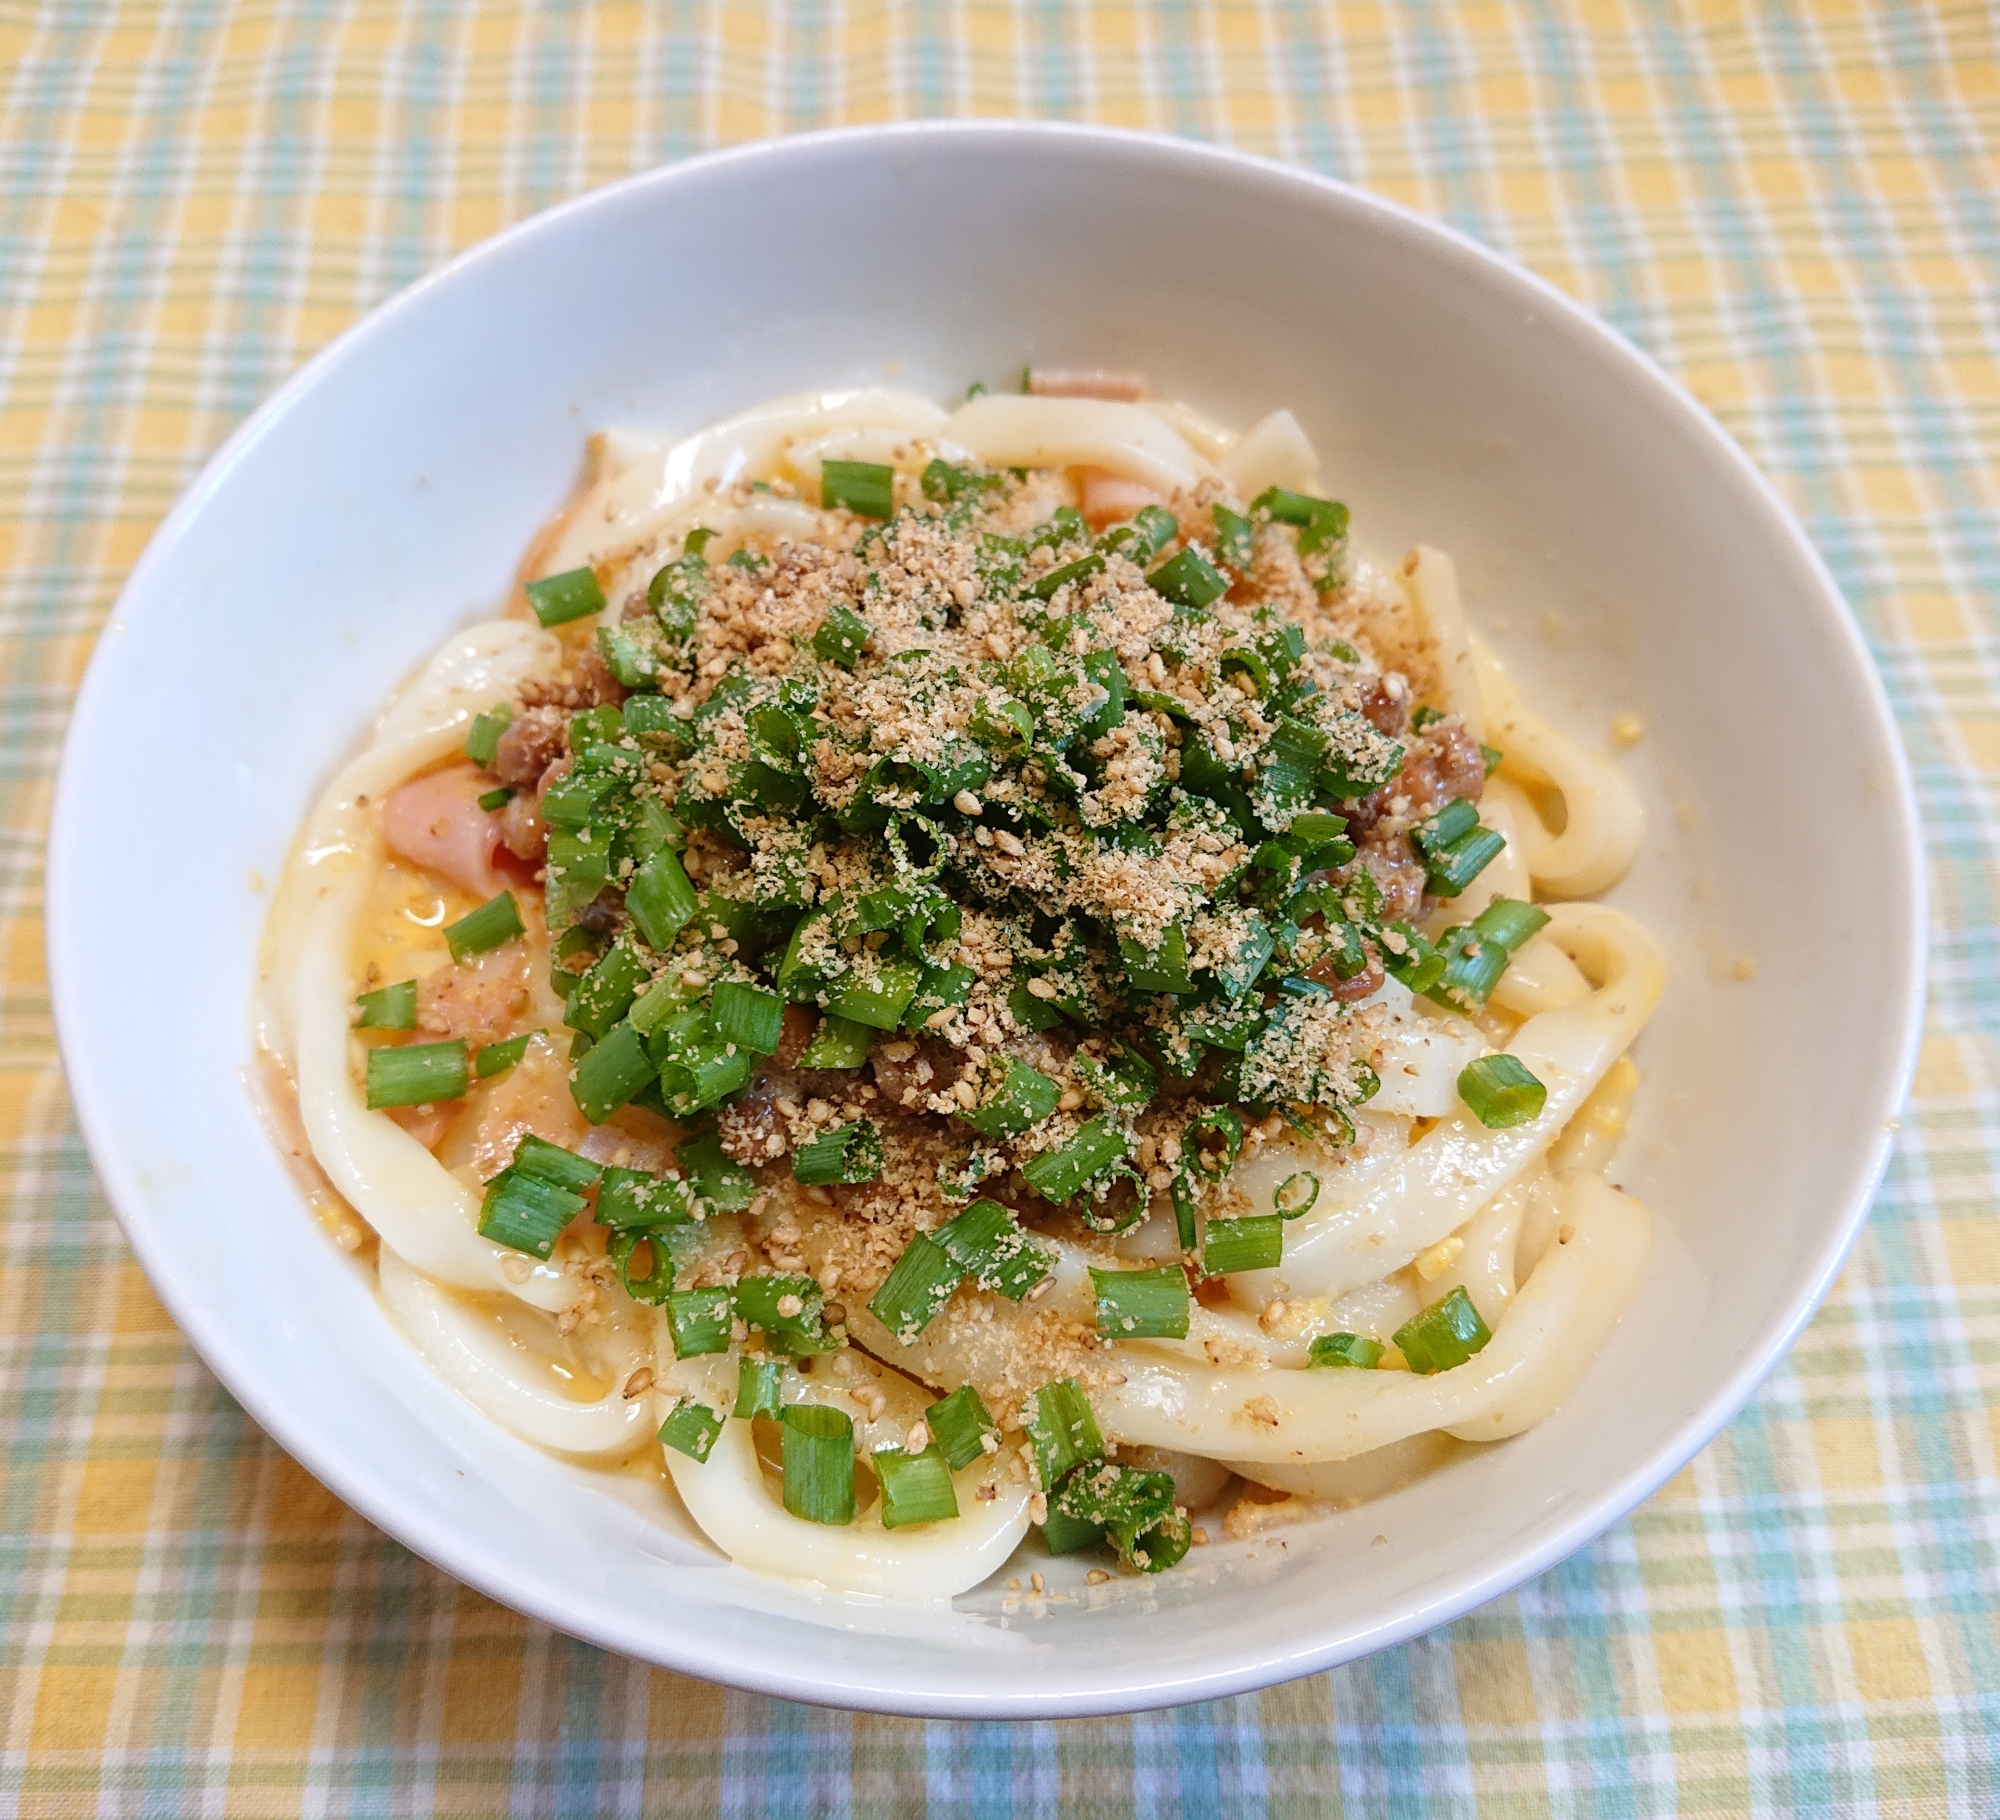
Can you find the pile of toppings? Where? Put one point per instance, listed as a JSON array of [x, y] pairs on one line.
[[991, 866]]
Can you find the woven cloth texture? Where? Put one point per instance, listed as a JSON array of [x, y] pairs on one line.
[[1792, 207]]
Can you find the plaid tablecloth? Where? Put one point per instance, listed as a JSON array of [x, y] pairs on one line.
[[1793, 207]]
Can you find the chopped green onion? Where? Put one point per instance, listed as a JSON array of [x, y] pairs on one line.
[[1354, 1350], [1056, 580], [819, 1461], [497, 799], [636, 1197], [699, 1320], [760, 1387], [760, 1303], [865, 488], [1492, 757], [482, 738], [946, 485], [1510, 922], [495, 921], [1417, 964], [841, 1153], [606, 991], [916, 1487], [839, 1042], [1233, 537], [497, 1058], [1296, 1194], [557, 599], [1133, 1507], [616, 1069], [1500, 1091], [1016, 1098], [690, 1428], [747, 1017], [960, 1425], [842, 637], [989, 1246], [1143, 536], [1127, 1081], [1446, 1334], [1320, 521], [1454, 847], [1218, 1121], [717, 1178], [661, 899], [1142, 1304], [525, 1212], [1161, 969], [1255, 1243], [1062, 1430], [916, 1289], [878, 1002], [657, 1284], [1183, 1195], [389, 1007], [1060, 1175], [548, 1162], [416, 1074], [1064, 1535], [1189, 580]]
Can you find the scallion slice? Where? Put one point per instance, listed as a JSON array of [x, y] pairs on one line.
[[865, 488], [548, 1162], [557, 599], [1500, 1091], [690, 1428], [699, 1320], [526, 1212], [841, 1153], [1145, 534], [1320, 521], [388, 1007], [657, 1282], [842, 637], [960, 1425], [1135, 1509], [916, 1289], [788, 1310], [1234, 536], [1189, 580], [1015, 1098], [839, 1042], [989, 1246], [497, 799], [482, 738], [1056, 580], [1446, 1334], [1199, 1146], [1061, 1175], [916, 1487], [497, 1058], [1353, 1350], [416, 1074], [1142, 1304], [1254, 1243], [606, 991], [1064, 1535], [760, 1387], [818, 1452], [1296, 1194], [878, 1000], [637, 1198], [722, 1182], [748, 1017], [616, 1068], [1062, 1430], [661, 899], [495, 921]]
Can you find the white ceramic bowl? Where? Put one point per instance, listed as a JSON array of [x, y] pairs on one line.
[[1620, 549]]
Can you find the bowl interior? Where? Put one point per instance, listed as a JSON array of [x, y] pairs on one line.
[[1614, 547]]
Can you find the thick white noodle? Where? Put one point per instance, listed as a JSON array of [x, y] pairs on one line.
[[477, 1359], [1485, 1268], [416, 1206], [1435, 1186], [1603, 822], [1430, 578], [1274, 452], [1209, 439], [1020, 431], [732, 1500], [1554, 1327], [636, 503]]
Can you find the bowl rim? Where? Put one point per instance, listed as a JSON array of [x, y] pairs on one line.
[[1247, 1669]]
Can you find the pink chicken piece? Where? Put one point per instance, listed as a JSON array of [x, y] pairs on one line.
[[1087, 382], [436, 822], [1110, 499]]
